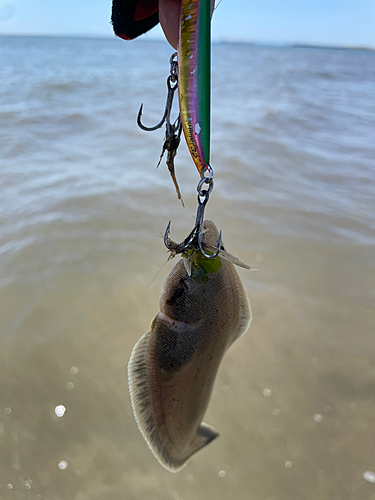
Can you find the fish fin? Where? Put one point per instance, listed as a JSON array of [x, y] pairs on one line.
[[139, 389], [142, 396], [245, 314], [205, 434], [146, 412]]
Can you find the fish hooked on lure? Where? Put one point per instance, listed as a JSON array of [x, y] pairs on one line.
[[172, 368]]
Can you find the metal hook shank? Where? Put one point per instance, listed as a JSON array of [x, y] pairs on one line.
[[172, 84], [195, 240]]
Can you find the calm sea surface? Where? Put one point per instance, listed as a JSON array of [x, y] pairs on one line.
[[81, 211]]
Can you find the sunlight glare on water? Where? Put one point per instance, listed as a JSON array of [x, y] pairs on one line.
[[369, 476], [60, 410], [318, 418]]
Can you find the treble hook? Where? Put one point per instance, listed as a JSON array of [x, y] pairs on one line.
[[172, 85], [194, 239]]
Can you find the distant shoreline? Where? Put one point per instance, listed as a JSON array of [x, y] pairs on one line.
[[252, 43], [332, 47]]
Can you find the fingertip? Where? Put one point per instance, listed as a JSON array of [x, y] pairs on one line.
[[169, 16]]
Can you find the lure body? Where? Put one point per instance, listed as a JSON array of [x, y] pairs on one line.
[[173, 367], [194, 78]]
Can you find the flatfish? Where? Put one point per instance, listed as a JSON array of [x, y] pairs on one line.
[[173, 367]]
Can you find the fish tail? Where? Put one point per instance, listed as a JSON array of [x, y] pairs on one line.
[[205, 434]]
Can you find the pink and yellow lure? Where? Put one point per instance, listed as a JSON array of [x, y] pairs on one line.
[[194, 79]]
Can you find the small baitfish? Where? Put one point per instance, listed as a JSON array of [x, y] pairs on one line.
[[173, 367]]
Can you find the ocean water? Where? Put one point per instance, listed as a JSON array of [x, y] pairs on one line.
[[82, 208]]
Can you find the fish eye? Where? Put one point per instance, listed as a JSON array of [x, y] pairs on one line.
[[188, 284], [185, 286]]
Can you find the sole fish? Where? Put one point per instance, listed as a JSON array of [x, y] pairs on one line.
[[172, 368]]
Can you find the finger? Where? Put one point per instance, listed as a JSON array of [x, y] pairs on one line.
[[169, 16]]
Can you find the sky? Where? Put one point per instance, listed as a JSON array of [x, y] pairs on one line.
[[327, 22]]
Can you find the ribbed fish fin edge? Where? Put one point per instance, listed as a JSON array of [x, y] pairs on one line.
[[140, 389], [245, 314]]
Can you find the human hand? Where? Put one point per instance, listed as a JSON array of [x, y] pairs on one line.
[[169, 16]]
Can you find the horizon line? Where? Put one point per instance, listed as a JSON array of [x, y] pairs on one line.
[[272, 43]]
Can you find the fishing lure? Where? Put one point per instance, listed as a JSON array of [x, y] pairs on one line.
[[194, 79], [194, 90]]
